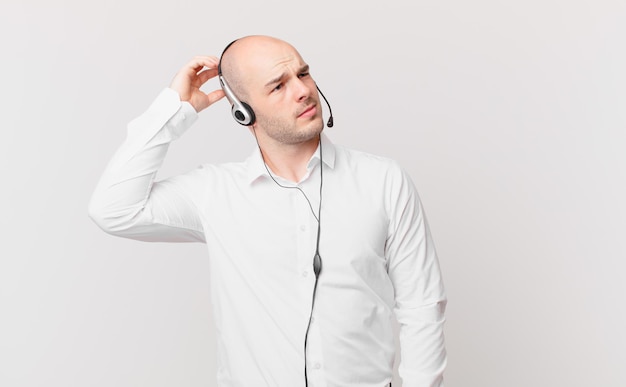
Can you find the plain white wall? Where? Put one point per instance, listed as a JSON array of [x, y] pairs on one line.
[[510, 117]]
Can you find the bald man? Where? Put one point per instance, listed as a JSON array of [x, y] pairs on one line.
[[314, 248]]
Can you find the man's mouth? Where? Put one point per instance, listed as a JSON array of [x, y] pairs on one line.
[[309, 111]]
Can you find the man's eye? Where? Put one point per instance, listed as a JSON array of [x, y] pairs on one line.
[[278, 87], [302, 75]]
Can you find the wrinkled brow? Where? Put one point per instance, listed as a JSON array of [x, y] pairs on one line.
[[303, 69]]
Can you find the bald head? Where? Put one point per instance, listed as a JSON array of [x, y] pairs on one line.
[[241, 61]]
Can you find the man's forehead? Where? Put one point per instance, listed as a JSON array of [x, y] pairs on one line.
[[269, 64], [286, 62]]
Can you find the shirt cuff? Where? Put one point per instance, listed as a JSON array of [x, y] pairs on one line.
[[181, 116], [182, 120]]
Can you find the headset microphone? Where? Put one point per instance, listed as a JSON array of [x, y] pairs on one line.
[[330, 110]]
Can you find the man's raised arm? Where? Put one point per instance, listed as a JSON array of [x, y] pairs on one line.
[[127, 201]]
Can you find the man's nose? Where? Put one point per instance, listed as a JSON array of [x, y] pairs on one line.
[[302, 90]]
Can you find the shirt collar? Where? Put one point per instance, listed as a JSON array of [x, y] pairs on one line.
[[256, 168]]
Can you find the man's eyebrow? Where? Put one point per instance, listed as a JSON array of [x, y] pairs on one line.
[[303, 69], [275, 80]]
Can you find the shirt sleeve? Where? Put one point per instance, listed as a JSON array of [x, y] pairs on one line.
[[128, 202], [420, 298]]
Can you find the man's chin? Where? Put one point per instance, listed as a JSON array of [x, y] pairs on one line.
[[310, 133], [317, 125]]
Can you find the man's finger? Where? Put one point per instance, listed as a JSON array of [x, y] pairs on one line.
[[215, 96], [205, 75], [199, 62]]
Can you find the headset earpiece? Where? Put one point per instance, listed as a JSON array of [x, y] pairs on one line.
[[244, 114], [241, 111]]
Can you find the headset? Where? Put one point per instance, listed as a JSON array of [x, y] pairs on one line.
[[241, 111]]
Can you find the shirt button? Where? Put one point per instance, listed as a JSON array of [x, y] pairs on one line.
[[317, 366], [312, 319], [302, 228], [305, 273]]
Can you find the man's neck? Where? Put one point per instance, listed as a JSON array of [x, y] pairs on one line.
[[288, 161]]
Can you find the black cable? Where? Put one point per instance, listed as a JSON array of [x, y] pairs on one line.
[[317, 259], [317, 264]]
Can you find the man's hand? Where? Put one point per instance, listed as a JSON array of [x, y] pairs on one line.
[[191, 77]]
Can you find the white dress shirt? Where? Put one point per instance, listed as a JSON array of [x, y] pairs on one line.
[[377, 253]]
